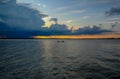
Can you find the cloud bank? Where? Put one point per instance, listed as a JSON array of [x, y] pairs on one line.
[[18, 21], [20, 16], [91, 30]]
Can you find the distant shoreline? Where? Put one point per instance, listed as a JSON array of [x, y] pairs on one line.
[[69, 38]]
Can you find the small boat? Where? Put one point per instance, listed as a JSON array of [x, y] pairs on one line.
[[60, 41]]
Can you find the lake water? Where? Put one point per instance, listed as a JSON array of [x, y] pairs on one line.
[[49, 59]]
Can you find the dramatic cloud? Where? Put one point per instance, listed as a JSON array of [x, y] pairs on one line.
[[113, 11], [46, 18], [18, 21], [58, 27], [54, 20], [20, 16], [91, 30]]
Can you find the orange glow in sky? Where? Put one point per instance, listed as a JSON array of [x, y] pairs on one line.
[[79, 36]]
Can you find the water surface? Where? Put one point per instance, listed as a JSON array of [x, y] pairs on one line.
[[49, 59]]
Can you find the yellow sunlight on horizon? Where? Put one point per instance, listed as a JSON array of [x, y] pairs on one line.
[[78, 36]]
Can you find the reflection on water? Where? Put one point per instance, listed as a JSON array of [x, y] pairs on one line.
[[48, 59]]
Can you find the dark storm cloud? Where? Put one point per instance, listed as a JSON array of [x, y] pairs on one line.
[[91, 30], [18, 21], [58, 27], [55, 29], [61, 29], [15, 32], [54, 19], [20, 16], [113, 11]]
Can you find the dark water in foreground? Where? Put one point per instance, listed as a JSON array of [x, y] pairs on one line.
[[48, 59]]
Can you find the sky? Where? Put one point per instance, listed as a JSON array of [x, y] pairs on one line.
[[76, 12], [24, 18]]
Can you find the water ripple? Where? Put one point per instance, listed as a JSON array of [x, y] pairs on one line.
[[47, 59]]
